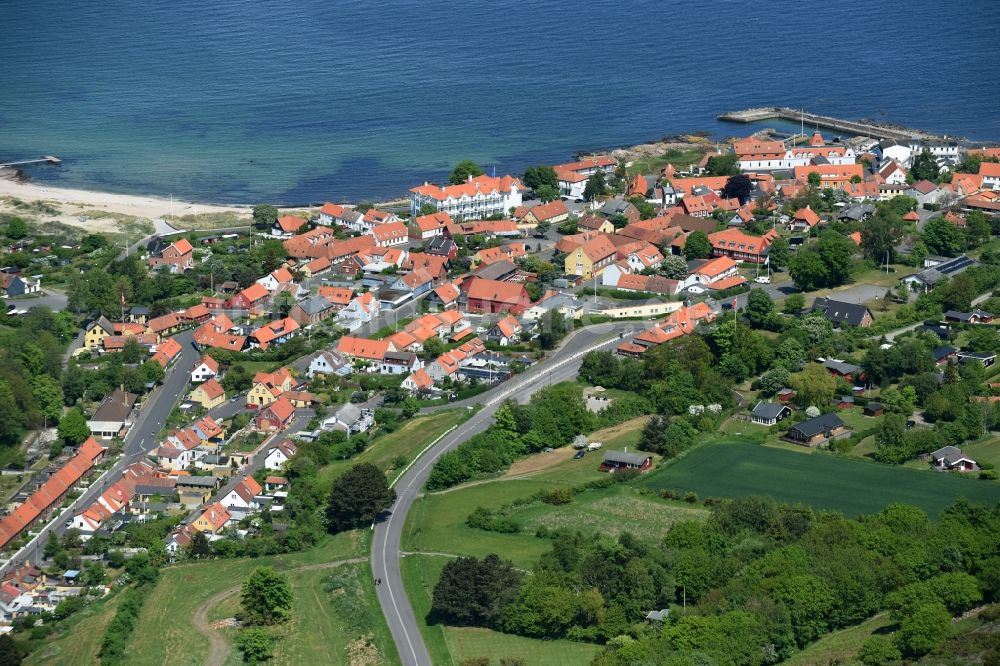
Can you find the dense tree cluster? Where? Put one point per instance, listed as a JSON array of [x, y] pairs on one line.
[[555, 415], [759, 580]]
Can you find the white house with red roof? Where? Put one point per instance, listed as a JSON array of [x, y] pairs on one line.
[[390, 234], [476, 198], [425, 227], [243, 497], [713, 275], [505, 332], [279, 454], [206, 368], [276, 278]]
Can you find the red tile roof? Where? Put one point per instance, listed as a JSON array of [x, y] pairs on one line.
[[479, 184]]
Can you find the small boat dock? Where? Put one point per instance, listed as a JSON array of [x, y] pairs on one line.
[[51, 159], [859, 128]]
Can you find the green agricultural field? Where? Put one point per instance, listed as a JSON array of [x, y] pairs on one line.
[[736, 469], [404, 444], [451, 645]]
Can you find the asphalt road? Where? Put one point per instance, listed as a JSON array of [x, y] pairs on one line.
[[142, 438], [387, 537]]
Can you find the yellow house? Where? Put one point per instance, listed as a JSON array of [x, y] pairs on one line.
[[99, 329], [591, 258], [209, 394], [213, 519], [268, 386]]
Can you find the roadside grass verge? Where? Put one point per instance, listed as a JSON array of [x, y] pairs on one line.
[[404, 444], [79, 640]]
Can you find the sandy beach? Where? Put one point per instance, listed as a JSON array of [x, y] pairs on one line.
[[74, 204]]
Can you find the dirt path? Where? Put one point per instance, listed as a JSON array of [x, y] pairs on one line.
[[218, 647]]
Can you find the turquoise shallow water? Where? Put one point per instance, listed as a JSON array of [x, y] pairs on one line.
[[236, 101]]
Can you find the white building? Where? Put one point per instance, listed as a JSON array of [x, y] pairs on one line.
[[280, 454], [328, 362], [478, 197]]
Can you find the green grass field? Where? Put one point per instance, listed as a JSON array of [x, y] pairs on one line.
[[838, 647], [984, 451], [336, 620], [736, 469], [680, 158], [80, 642], [451, 645], [611, 511], [182, 589], [405, 443]]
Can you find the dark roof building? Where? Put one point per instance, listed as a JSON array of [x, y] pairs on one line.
[[840, 313], [818, 430]]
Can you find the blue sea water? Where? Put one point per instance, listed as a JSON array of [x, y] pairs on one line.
[[311, 100]]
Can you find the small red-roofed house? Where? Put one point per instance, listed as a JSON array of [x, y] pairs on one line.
[[209, 394], [275, 416], [804, 219]]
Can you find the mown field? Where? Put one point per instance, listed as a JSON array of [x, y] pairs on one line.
[[737, 469]]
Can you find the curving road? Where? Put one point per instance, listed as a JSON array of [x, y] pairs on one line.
[[387, 537]]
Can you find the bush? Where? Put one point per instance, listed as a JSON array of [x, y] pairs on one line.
[[878, 650], [691, 497], [492, 521], [255, 643], [989, 475], [558, 496]]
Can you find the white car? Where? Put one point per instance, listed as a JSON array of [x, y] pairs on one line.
[[762, 279]]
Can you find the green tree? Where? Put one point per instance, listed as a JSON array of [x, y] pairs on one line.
[[942, 237], [814, 386], [723, 165], [265, 215], [255, 644], [778, 253], [959, 292], [794, 303], [759, 310], [10, 654], [673, 267], [547, 193], [808, 270], [200, 547], [881, 234], [924, 166], [925, 629], [697, 245], [152, 372], [773, 380], [738, 187], [878, 650], [463, 171], [73, 428], [265, 597], [17, 228], [977, 228], [358, 497], [543, 227], [476, 592], [48, 398], [596, 186], [538, 177], [890, 436], [814, 179], [133, 352]]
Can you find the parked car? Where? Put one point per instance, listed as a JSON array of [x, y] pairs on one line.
[[762, 279], [579, 454]]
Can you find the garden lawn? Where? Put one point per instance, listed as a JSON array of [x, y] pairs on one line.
[[681, 158], [451, 645], [824, 481], [405, 443], [182, 589]]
